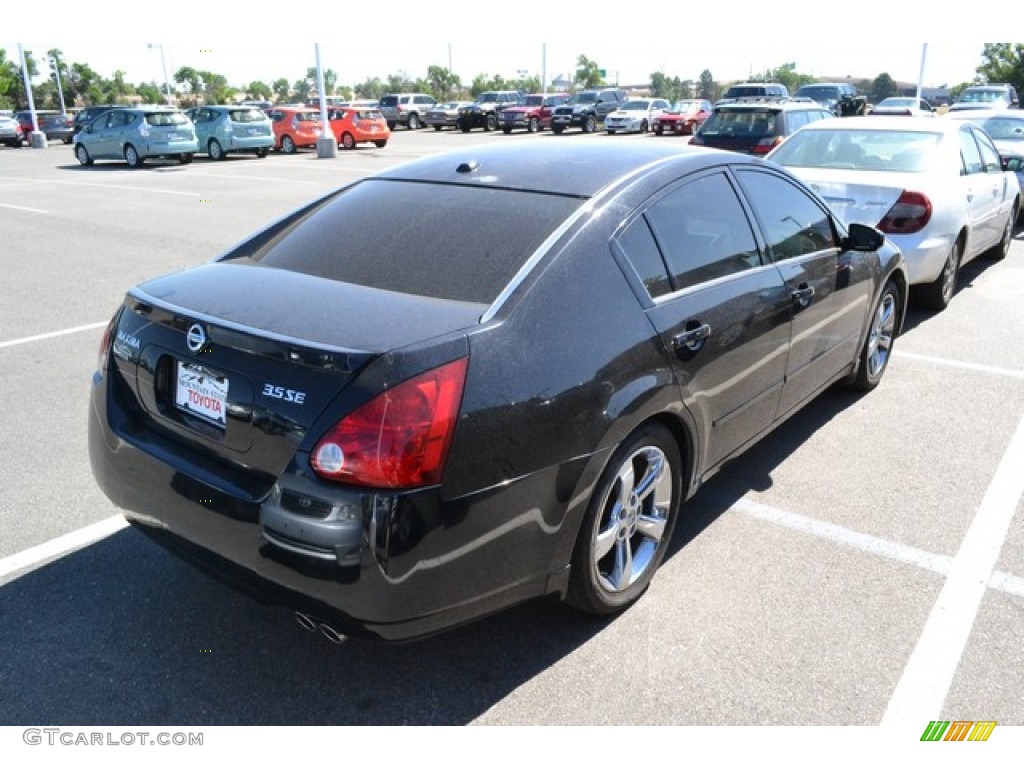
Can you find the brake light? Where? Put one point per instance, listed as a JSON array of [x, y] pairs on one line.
[[400, 439], [104, 352], [909, 214], [767, 144]]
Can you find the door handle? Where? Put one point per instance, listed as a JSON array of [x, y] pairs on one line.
[[803, 295], [693, 338]]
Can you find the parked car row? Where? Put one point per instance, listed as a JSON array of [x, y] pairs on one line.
[[133, 134]]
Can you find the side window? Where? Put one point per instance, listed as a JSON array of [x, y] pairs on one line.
[[793, 222], [989, 154], [797, 120], [641, 250], [969, 153], [703, 231]]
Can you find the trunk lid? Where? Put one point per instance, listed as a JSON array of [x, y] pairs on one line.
[[237, 362]]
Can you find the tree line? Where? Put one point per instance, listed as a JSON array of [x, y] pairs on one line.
[[80, 85]]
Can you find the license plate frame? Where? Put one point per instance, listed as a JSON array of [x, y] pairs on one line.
[[202, 393]]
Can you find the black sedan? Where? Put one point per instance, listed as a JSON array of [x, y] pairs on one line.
[[368, 414]]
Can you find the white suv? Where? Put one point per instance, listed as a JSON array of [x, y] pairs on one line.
[[406, 109]]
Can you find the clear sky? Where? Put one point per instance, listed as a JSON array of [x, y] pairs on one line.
[[479, 37]]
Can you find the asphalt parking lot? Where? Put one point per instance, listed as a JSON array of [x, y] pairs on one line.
[[864, 565]]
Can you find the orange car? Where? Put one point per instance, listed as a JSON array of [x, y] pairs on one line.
[[355, 125], [294, 127]]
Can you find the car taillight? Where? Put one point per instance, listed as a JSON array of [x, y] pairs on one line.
[[399, 439], [104, 351], [909, 214], [767, 144]]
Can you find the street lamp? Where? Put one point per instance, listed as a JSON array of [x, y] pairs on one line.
[[55, 66], [163, 63]]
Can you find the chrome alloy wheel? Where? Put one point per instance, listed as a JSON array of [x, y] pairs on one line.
[[634, 514], [883, 330]]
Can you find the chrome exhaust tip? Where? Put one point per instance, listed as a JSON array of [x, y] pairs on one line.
[[332, 634], [305, 621]]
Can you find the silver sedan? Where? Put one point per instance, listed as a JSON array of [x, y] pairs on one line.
[[935, 187]]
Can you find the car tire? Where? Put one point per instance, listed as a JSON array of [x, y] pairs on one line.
[[132, 156], [533, 125], [262, 152], [391, 125], [215, 150], [491, 123], [589, 124], [437, 127], [611, 131], [348, 141], [288, 145], [68, 140], [381, 143], [877, 349], [185, 158], [83, 155], [414, 122], [659, 130], [628, 524], [557, 129], [937, 294], [999, 251], [644, 127]]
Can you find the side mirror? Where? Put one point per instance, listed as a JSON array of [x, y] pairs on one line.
[[861, 237]]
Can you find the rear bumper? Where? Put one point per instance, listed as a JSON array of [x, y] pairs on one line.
[[390, 566]]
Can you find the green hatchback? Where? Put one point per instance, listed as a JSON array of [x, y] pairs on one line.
[[224, 129], [135, 134]]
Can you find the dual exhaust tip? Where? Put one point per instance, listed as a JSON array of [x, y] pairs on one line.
[[311, 624]]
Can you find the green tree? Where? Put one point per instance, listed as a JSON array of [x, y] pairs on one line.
[[301, 90], [671, 88], [282, 90], [216, 89], [443, 82], [81, 83], [191, 79], [882, 87], [150, 93], [9, 75], [258, 90], [373, 88], [330, 80], [788, 76], [588, 73], [1003, 63], [400, 83], [708, 88], [117, 89]]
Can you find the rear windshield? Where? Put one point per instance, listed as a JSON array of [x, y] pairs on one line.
[[445, 241], [166, 118], [867, 150], [1005, 128], [746, 123], [248, 116]]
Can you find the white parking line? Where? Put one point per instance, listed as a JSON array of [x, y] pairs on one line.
[[862, 541], [54, 548], [126, 187], [959, 364], [22, 208], [929, 673], [52, 334]]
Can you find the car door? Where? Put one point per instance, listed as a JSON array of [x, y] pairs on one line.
[[829, 289], [722, 315], [107, 130], [984, 188]]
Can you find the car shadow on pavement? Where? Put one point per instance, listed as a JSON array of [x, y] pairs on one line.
[[123, 633]]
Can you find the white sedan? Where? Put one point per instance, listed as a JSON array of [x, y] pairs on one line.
[[635, 115], [936, 188]]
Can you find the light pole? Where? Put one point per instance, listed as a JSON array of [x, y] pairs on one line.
[[163, 63], [55, 66]]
